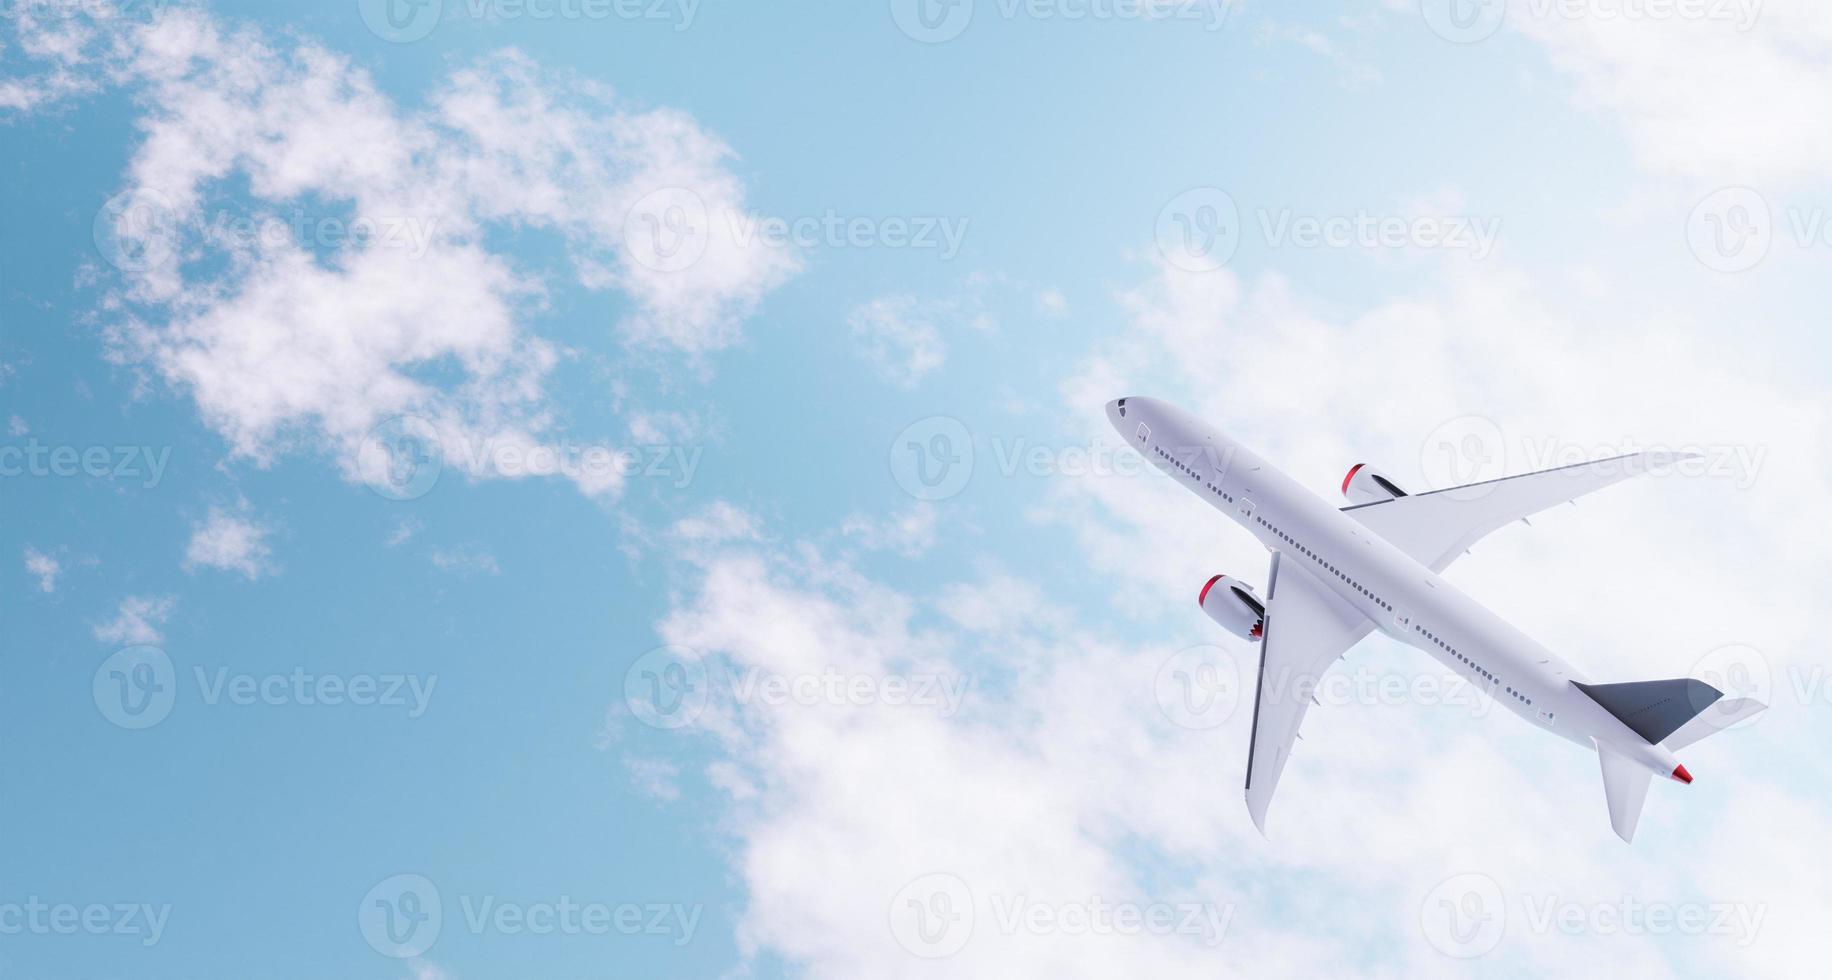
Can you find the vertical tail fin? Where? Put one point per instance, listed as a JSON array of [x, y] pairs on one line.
[[1625, 785]]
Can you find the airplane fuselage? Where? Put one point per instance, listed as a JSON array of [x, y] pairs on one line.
[[1403, 598]]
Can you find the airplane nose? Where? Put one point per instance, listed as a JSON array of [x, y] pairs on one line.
[[1116, 412]]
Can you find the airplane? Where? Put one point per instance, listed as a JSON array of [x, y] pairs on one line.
[[1337, 575]]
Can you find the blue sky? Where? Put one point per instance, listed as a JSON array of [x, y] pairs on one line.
[[843, 613]]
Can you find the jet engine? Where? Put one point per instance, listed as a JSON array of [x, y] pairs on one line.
[[1367, 485], [1233, 605]]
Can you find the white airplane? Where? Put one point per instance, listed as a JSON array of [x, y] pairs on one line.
[[1338, 575]]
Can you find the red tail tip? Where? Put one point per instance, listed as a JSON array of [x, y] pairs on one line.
[[1205, 590], [1682, 775]]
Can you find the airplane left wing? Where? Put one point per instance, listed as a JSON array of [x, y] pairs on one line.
[[1307, 628]]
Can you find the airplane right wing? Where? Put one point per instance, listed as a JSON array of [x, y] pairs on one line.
[[1307, 628], [1435, 527]]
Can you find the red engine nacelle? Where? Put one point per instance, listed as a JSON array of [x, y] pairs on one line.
[[1234, 606], [1366, 485]]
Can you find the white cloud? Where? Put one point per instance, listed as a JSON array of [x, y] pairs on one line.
[[16, 426], [1732, 96], [717, 523], [1060, 783], [466, 560], [230, 542], [1052, 303], [404, 531], [656, 778], [137, 621], [909, 533], [896, 334], [317, 334], [43, 567]]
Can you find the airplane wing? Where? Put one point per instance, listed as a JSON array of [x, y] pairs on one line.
[[1436, 527], [1307, 628]]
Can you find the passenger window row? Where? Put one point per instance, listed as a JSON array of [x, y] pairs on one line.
[[1471, 664], [1191, 472], [1301, 549]]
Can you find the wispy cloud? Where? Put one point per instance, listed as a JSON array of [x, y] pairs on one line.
[[230, 542], [387, 267], [43, 567], [138, 621]]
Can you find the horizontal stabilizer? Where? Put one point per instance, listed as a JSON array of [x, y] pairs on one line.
[[1654, 709], [1714, 719]]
